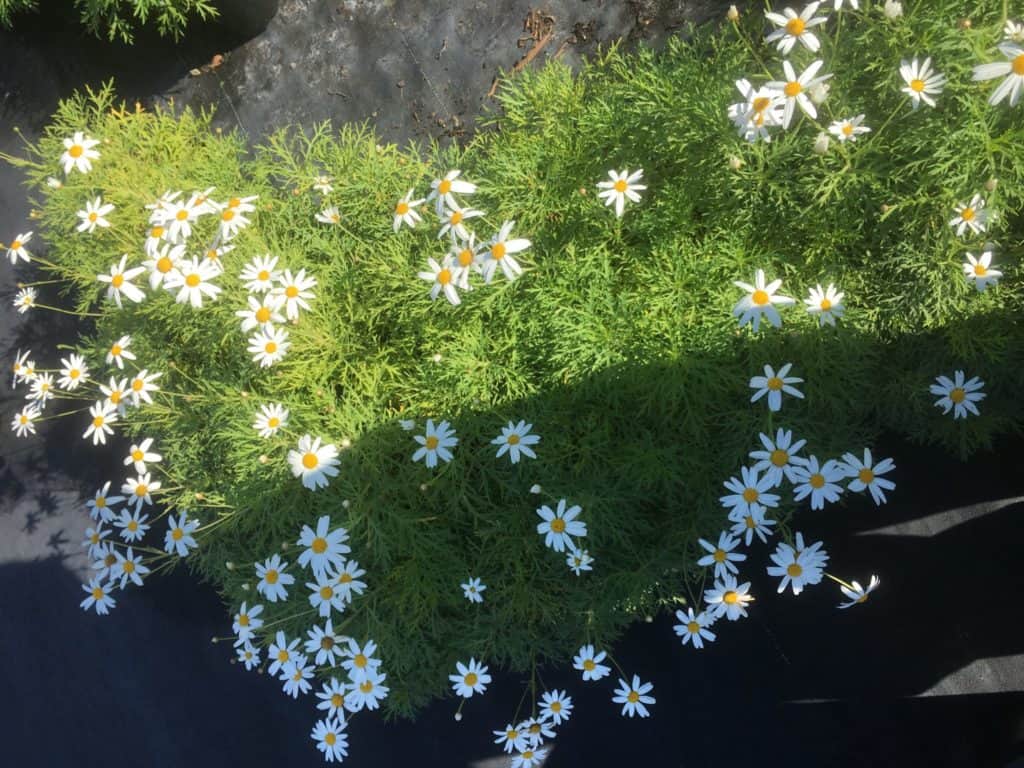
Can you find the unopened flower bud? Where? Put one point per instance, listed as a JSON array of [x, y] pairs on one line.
[[964, 23], [819, 92], [991, 184], [346, 443], [437, 357], [243, 394], [264, 459], [245, 587], [200, 496], [735, 163], [284, 546], [346, 504], [821, 144], [229, 565], [893, 9], [732, 14], [534, 489], [423, 487], [458, 717]]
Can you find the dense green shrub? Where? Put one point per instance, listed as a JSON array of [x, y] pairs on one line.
[[119, 19], [617, 342]]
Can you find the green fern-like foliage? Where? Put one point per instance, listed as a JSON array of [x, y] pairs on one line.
[[119, 19], [617, 343]]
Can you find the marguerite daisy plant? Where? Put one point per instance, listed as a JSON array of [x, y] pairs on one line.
[[922, 82], [621, 186], [795, 27], [760, 302]]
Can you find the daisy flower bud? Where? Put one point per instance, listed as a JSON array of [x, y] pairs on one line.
[[735, 163], [732, 14], [893, 9], [821, 144]]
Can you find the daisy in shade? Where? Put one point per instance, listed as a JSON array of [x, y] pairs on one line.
[[249, 655], [922, 81], [794, 27], [473, 590], [192, 279], [511, 739], [330, 739], [1013, 69], [42, 389], [16, 249], [93, 542], [119, 282], [156, 239], [466, 257], [103, 414], [759, 302], [119, 352], [826, 304], [273, 580], [101, 505], [268, 345], [260, 275], [442, 277], [798, 567], [529, 758], [261, 312], [470, 678], [536, 730], [848, 129], [359, 661], [958, 394], [323, 595], [329, 215], [116, 392], [139, 490], [589, 663], [693, 628], [140, 454], [819, 481], [246, 623], [555, 706], [179, 535], [368, 693], [454, 220], [558, 525], [314, 462], [98, 596], [727, 598], [25, 300], [132, 524], [1013, 31], [280, 652], [633, 698], [621, 185], [23, 422], [94, 215], [973, 216], [500, 252], [232, 215], [796, 90], [23, 369], [774, 384], [406, 213], [868, 474], [332, 696], [142, 384], [442, 191], [105, 560], [323, 548], [295, 290], [347, 580], [980, 271], [79, 153], [434, 444], [722, 555], [296, 675], [325, 643], [270, 419], [515, 439], [857, 594], [778, 458], [322, 184], [750, 489], [761, 110], [579, 560], [179, 217]]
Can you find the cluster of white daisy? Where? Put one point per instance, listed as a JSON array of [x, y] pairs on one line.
[[336, 580]]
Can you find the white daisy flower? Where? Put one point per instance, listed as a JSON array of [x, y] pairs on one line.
[[511, 739], [94, 541], [442, 191], [139, 490], [774, 384], [79, 153], [314, 462], [529, 758], [42, 389], [101, 505], [103, 415], [848, 129], [16, 249], [778, 458], [25, 300], [232, 215], [859, 594], [555, 706], [332, 694], [98, 596], [213, 256], [466, 257], [142, 384], [980, 271], [23, 369], [622, 185], [749, 490], [579, 560], [191, 278], [322, 184], [693, 628], [589, 663], [922, 82], [116, 392], [793, 27], [359, 662], [473, 590], [280, 652], [23, 422], [819, 481], [727, 598], [249, 655], [958, 395], [406, 213], [119, 352], [296, 675], [471, 678], [295, 290], [156, 239], [368, 693], [268, 346], [179, 217], [798, 568], [330, 738], [324, 642], [139, 454], [761, 110], [558, 525], [260, 275], [329, 215], [261, 312], [722, 556], [1013, 32], [162, 263], [827, 304], [128, 567], [94, 215], [500, 252], [633, 698], [105, 560], [759, 301], [443, 279], [179, 535], [868, 474], [324, 595], [434, 443], [515, 439], [323, 548], [132, 525], [270, 419], [1013, 69], [795, 90], [453, 221], [347, 580], [119, 282], [273, 580]]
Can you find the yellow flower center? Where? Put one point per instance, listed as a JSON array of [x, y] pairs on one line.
[[193, 280], [817, 480], [270, 347], [455, 218], [137, 455], [270, 576], [513, 439], [117, 281], [620, 186], [263, 275], [76, 150], [93, 216], [309, 460], [336, 701], [110, 559], [589, 665], [345, 578], [164, 265], [444, 276], [633, 697], [94, 538], [16, 245], [132, 526], [847, 129], [137, 385], [402, 208], [444, 187], [262, 315], [1018, 65], [97, 422], [793, 89], [750, 495], [283, 655], [779, 457], [720, 555], [431, 443], [558, 525], [141, 490], [115, 350], [360, 660], [330, 738], [760, 297], [366, 687], [865, 475], [319, 545], [115, 396], [327, 642], [471, 679], [465, 257], [775, 383], [958, 395], [556, 706], [693, 627], [156, 232], [863, 598], [326, 592], [181, 215], [967, 214], [730, 597], [528, 754], [101, 502], [795, 27], [177, 534], [794, 570], [273, 422], [97, 593], [243, 620], [979, 270], [23, 419], [511, 735], [291, 291], [498, 251], [760, 104], [750, 522]]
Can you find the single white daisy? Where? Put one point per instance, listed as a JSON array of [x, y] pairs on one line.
[[532, 757], [192, 279], [139, 490], [22, 369], [868, 474], [473, 590], [323, 641], [633, 697], [922, 81], [296, 675], [324, 595], [1013, 32], [128, 567], [536, 730], [119, 352], [23, 422], [774, 384], [322, 184], [470, 678], [368, 692], [442, 278], [511, 739], [281, 651], [579, 560], [16, 248], [273, 580], [142, 384], [558, 525], [827, 304], [260, 275], [958, 394], [214, 257], [93, 541], [268, 345], [693, 628], [232, 215], [79, 153], [434, 443], [761, 109], [42, 389], [246, 623], [249, 655], [140, 454], [359, 661], [179, 217], [589, 663], [442, 191], [25, 300], [798, 568], [515, 439], [974, 216], [778, 458], [119, 282], [323, 548], [314, 462], [1013, 69], [329, 215], [406, 213], [332, 695], [721, 555], [859, 594], [453, 220], [750, 489], [467, 256], [848, 129], [500, 254], [98, 596], [156, 240], [330, 738], [295, 291], [103, 414], [819, 481], [793, 27], [116, 392], [270, 419], [94, 215], [101, 506], [261, 311], [795, 90], [728, 598], [179, 535], [132, 525], [980, 271], [555, 706], [760, 301], [622, 185]]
